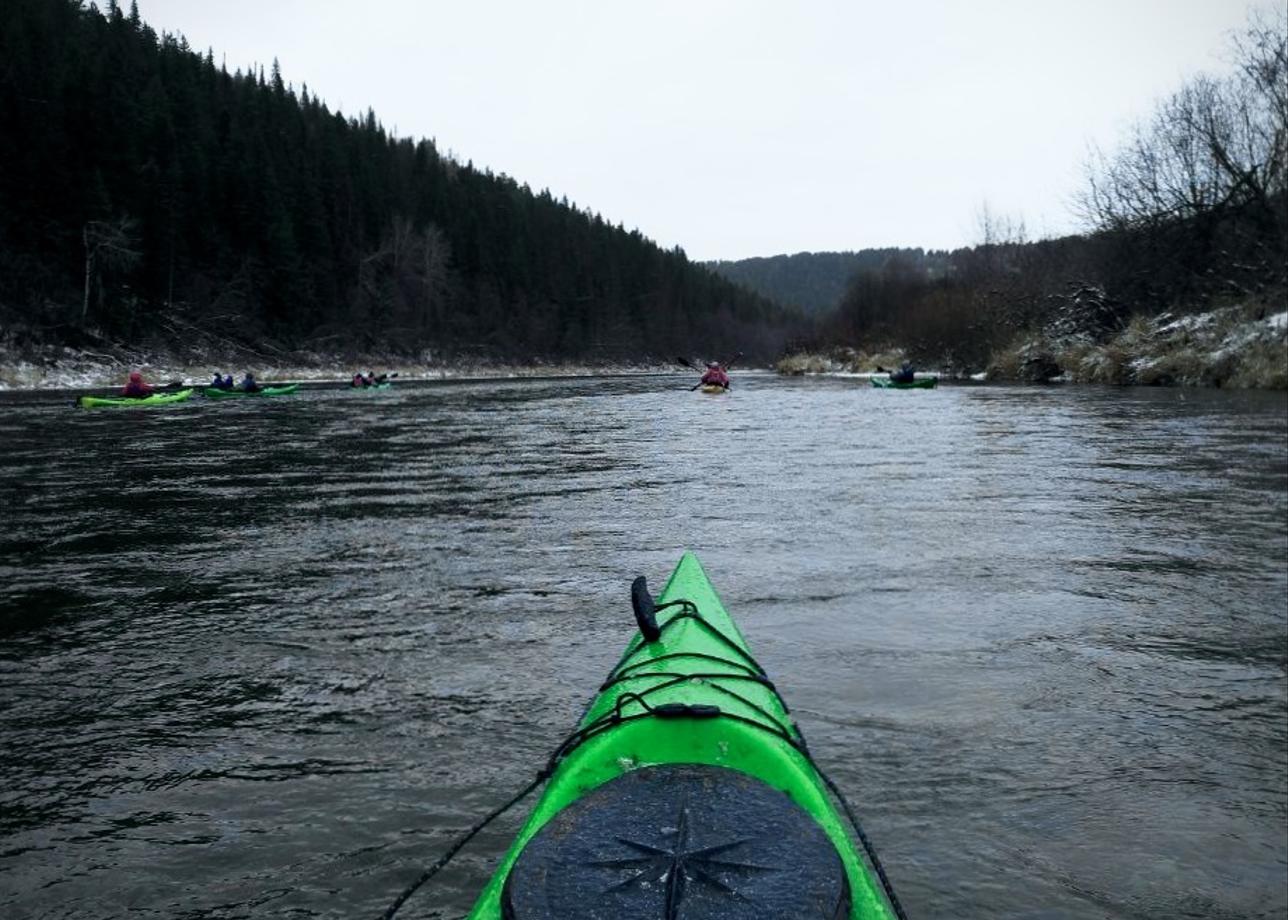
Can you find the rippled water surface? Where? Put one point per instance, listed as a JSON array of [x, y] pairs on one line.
[[266, 659]]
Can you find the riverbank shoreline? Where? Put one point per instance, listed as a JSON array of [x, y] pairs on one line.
[[62, 368], [1236, 348]]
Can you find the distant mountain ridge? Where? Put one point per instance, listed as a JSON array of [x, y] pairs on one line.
[[817, 281]]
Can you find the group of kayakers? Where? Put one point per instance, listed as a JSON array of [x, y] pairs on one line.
[[716, 374], [225, 382], [137, 388]]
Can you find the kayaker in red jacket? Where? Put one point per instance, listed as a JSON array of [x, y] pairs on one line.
[[715, 375], [136, 388]]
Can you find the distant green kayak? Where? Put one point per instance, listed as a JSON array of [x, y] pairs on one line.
[[215, 393], [885, 383], [687, 791], [127, 402]]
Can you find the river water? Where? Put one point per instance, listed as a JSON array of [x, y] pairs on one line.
[[268, 658]]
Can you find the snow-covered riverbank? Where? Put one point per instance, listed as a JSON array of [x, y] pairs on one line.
[[1239, 347], [66, 369], [1232, 347]]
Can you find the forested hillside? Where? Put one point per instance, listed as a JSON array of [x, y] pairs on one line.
[[816, 281], [146, 191]]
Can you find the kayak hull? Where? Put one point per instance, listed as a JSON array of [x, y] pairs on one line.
[[214, 393], [885, 383], [701, 662], [714, 389], [124, 402]]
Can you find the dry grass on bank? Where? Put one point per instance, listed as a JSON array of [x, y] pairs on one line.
[[1236, 346]]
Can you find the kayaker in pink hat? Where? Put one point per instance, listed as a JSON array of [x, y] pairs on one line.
[[136, 388]]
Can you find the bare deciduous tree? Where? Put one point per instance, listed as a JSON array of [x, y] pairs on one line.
[[109, 246], [408, 275], [1213, 145]]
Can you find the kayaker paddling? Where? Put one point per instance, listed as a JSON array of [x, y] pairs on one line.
[[905, 373], [136, 388], [715, 376], [249, 384]]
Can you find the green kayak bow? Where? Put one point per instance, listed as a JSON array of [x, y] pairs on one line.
[[686, 793]]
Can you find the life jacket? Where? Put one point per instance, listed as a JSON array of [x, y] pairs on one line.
[[716, 376], [358, 381]]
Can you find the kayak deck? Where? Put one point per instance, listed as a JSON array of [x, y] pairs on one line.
[[885, 383], [216, 393], [128, 402], [694, 696]]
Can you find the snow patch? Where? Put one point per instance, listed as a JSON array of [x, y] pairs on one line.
[[1189, 323]]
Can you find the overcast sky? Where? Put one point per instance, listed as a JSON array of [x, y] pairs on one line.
[[738, 128]]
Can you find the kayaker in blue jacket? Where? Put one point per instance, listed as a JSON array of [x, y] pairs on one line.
[[249, 385], [905, 374]]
